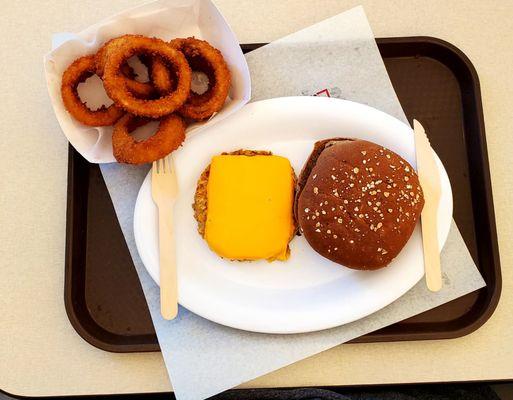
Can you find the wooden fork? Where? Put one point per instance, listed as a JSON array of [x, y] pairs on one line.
[[164, 190]]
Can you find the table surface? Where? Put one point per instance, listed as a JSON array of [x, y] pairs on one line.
[[41, 353]]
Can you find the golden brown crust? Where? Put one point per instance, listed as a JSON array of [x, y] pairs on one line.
[[169, 136], [200, 201], [357, 202], [81, 69], [115, 86], [102, 54], [203, 57], [161, 77], [144, 90]]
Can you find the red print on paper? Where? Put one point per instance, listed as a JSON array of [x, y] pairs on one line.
[[323, 93]]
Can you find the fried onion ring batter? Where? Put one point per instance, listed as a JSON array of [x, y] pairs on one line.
[[144, 90], [161, 77], [169, 136], [202, 57], [81, 69], [116, 88]]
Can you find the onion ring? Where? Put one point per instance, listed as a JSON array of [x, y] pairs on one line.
[[142, 90], [81, 69], [161, 77], [118, 91], [169, 136], [201, 56]]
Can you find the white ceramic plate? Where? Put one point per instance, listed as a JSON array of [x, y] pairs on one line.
[[307, 292]]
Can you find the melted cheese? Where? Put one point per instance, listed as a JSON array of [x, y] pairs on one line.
[[249, 207]]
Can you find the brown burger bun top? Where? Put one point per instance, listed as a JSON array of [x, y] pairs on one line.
[[357, 203]]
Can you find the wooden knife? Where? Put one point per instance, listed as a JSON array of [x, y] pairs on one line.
[[430, 182]]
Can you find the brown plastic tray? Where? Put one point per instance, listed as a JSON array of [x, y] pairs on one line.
[[435, 82]]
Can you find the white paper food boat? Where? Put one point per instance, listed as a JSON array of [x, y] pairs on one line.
[[165, 19]]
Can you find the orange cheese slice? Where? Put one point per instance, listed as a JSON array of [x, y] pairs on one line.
[[249, 207]]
